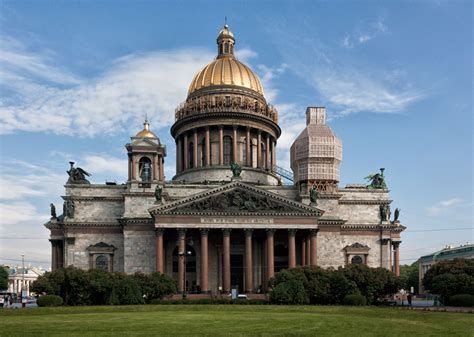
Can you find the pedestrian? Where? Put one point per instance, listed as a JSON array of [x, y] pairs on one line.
[[409, 299], [2, 301]]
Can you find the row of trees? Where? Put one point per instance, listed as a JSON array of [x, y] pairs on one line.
[[98, 287], [3, 278], [316, 285]]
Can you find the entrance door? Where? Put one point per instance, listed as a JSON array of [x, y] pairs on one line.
[[237, 272]]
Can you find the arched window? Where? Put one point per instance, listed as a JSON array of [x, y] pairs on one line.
[[191, 154], [102, 262], [226, 48], [281, 257], [190, 259], [228, 151], [144, 168], [356, 260]]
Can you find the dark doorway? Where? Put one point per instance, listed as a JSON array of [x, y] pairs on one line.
[[237, 272]]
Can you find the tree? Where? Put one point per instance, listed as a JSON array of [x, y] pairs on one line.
[[409, 277], [448, 278], [3, 278]]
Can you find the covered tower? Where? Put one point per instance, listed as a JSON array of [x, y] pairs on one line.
[[146, 158], [225, 119], [316, 154]]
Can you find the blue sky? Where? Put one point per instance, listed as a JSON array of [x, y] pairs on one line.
[[77, 79]]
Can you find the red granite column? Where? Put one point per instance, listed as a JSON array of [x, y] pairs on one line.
[[314, 246], [54, 256], [396, 257], [247, 149], [234, 144], [303, 251], [270, 254], [179, 156], [159, 250], [267, 148], [156, 174], [186, 152], [273, 152], [195, 150], [182, 256], [204, 260], [259, 149], [134, 169], [208, 147], [291, 248], [308, 250], [162, 169], [226, 260], [221, 145], [248, 261]]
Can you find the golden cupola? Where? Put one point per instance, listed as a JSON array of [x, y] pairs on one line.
[[225, 119], [146, 132]]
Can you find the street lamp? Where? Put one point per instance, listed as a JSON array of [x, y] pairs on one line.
[[23, 304], [182, 255]]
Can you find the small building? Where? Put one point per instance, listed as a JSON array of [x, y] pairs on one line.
[[19, 279], [448, 253]]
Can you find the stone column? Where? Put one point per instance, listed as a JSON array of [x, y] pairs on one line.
[[181, 264], [179, 149], [134, 169], [248, 261], [226, 260], [267, 148], [314, 246], [259, 149], [195, 150], [221, 145], [270, 255], [248, 143], [234, 143], [54, 256], [273, 152], [204, 260], [208, 147], [159, 250], [162, 169], [156, 175], [303, 251], [291, 248], [308, 250], [396, 257], [129, 168], [186, 152]]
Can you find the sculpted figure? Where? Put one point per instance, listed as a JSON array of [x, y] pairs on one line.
[[396, 215], [236, 169], [377, 180], [158, 193], [69, 208], [313, 195], [77, 175], [53, 211], [384, 212]]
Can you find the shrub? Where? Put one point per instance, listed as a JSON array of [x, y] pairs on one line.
[[354, 299], [49, 301], [289, 292], [462, 300]]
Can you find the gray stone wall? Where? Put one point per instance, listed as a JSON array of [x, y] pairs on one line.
[[139, 251]]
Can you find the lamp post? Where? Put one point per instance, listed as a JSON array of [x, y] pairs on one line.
[[23, 304], [182, 255]]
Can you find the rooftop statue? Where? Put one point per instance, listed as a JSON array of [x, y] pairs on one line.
[[377, 181], [77, 175], [396, 214], [313, 195], [236, 169], [53, 211], [158, 193]]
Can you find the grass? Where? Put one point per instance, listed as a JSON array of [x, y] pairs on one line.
[[225, 320]]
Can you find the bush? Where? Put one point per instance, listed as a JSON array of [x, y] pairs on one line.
[[354, 299], [462, 300], [289, 292], [49, 301]]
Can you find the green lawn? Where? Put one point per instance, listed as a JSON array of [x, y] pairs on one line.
[[250, 320]]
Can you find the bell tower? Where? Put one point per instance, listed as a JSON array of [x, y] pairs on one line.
[[146, 158]]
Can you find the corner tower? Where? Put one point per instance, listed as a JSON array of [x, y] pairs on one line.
[[316, 154], [225, 119]]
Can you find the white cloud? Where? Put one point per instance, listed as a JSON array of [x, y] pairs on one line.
[[151, 83], [102, 163], [14, 213], [364, 35], [443, 206], [245, 54]]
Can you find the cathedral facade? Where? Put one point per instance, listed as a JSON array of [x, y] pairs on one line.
[[226, 220]]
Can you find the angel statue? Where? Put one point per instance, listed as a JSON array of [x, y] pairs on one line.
[[77, 175], [236, 169], [396, 214], [53, 211], [377, 180], [158, 193], [313, 195]]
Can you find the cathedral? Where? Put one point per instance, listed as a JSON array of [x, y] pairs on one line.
[[231, 217]]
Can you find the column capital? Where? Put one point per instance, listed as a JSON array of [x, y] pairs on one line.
[[248, 128], [226, 231], [204, 231], [248, 231], [314, 231], [235, 127], [270, 231], [159, 231], [221, 127], [292, 231], [207, 128], [259, 131], [182, 231], [195, 131], [396, 244]]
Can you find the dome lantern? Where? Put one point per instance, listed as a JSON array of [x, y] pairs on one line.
[[225, 43]]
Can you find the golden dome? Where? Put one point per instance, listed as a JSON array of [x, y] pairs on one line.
[[226, 69], [146, 133]]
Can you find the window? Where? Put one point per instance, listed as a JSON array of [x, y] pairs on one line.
[[356, 260], [226, 48], [144, 168], [102, 262], [228, 151]]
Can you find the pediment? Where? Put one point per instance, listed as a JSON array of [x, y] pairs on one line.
[[236, 198], [145, 142]]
